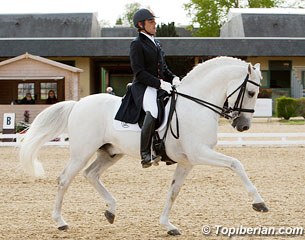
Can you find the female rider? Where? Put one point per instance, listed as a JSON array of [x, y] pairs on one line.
[[151, 74]]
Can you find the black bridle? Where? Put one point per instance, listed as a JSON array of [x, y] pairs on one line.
[[240, 98], [227, 112], [223, 111]]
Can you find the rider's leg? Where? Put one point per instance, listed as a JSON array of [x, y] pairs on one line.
[[148, 128], [150, 101]]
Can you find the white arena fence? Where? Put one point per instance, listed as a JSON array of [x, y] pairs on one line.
[[224, 139], [261, 139], [13, 140]]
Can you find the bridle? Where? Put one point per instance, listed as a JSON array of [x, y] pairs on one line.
[[223, 111], [240, 98], [227, 112]]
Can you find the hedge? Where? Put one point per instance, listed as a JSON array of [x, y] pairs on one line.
[[301, 107], [287, 107]]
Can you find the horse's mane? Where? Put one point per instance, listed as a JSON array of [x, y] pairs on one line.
[[208, 65]]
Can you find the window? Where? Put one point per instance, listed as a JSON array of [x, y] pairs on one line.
[[24, 88], [45, 87], [13, 91]]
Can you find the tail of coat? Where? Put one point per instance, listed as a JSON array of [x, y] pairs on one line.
[[48, 124]]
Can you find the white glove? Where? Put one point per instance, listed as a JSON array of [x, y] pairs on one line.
[[176, 81], [166, 86]]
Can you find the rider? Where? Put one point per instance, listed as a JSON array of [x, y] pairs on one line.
[[150, 75]]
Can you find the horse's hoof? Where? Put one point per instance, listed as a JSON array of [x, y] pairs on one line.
[[260, 207], [174, 232], [110, 216], [63, 228]]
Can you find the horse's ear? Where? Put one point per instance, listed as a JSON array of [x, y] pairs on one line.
[[249, 68], [257, 66]]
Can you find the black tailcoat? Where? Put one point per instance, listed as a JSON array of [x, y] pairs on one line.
[[148, 66]]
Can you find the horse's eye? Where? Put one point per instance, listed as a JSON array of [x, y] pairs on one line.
[[251, 94]]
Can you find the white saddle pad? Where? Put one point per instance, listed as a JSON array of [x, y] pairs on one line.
[[122, 126]]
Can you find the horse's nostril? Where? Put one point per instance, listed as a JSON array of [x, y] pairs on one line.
[[245, 128]]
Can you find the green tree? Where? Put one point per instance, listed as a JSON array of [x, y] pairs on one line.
[[130, 10], [119, 21], [166, 30], [210, 15]]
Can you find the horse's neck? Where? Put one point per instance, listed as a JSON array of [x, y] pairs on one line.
[[206, 88], [210, 86]]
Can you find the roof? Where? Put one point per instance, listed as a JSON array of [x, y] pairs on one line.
[[237, 11], [250, 32], [264, 22], [112, 47], [41, 59], [49, 25]]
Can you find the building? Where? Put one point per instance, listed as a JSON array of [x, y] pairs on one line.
[[282, 55], [100, 57]]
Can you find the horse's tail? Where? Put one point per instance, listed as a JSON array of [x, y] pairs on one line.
[[48, 124]]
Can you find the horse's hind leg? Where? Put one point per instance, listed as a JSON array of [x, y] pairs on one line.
[[75, 165], [102, 162]]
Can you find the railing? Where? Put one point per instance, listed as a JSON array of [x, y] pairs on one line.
[[224, 139], [261, 139], [13, 140]]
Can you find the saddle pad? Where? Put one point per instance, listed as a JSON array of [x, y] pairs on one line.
[[122, 126]]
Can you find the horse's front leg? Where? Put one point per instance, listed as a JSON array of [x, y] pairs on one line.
[[179, 176], [210, 157]]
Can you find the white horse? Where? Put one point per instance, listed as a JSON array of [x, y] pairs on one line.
[[89, 123]]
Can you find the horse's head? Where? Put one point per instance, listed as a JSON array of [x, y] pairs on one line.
[[242, 98]]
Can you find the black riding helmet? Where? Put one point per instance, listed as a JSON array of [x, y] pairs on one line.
[[141, 15]]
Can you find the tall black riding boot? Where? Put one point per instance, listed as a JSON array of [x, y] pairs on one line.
[[147, 131]]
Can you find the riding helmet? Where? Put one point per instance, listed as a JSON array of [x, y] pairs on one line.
[[142, 15]]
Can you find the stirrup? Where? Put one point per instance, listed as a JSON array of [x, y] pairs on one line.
[[146, 164], [153, 160]]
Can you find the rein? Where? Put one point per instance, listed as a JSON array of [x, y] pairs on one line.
[[222, 111]]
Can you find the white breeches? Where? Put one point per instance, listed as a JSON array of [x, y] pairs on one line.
[[150, 101]]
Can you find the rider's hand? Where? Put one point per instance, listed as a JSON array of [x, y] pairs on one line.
[[166, 86], [176, 81]]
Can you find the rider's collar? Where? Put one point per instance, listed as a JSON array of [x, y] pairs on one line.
[[149, 36]]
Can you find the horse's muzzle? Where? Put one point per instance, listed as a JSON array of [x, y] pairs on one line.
[[241, 124]]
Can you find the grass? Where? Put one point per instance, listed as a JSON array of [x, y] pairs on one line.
[[293, 121]]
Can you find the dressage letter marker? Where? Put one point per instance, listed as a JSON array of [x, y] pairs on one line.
[[8, 126], [8, 121]]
